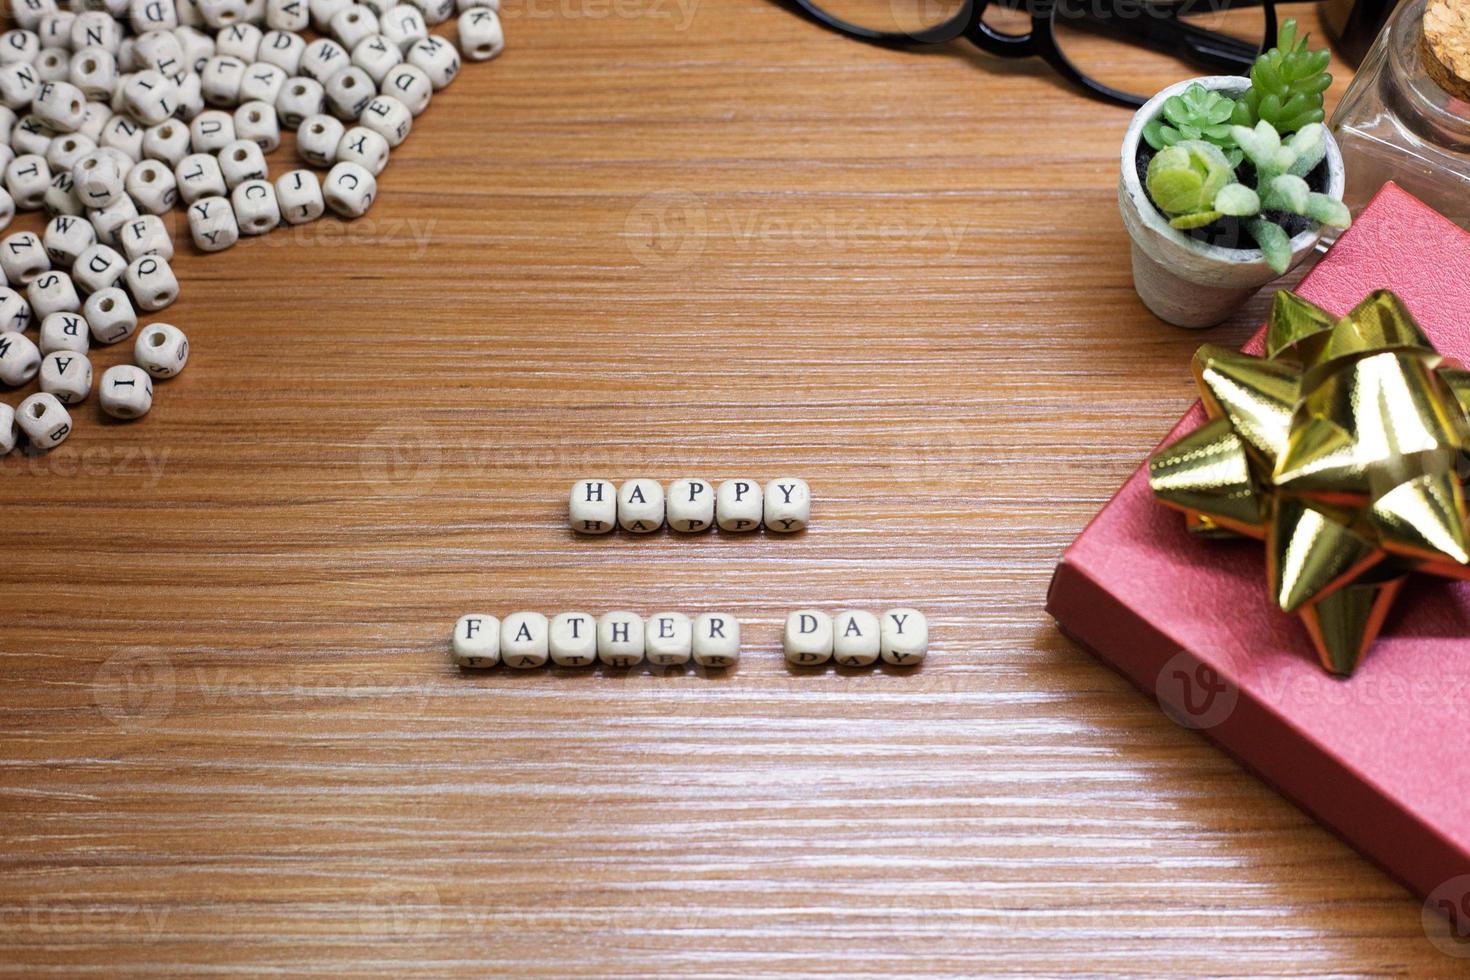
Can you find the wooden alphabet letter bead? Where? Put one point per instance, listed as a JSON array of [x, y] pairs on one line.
[[808, 638], [198, 176], [44, 420], [99, 267], [27, 178], [125, 392], [350, 189], [905, 637], [318, 138], [620, 639], [738, 505], [53, 292], [15, 311], [300, 97], [480, 35], [23, 257], [67, 237], [19, 359], [788, 505], [716, 640], [146, 235], [153, 187], [592, 507], [9, 431], [691, 505], [524, 638], [65, 331], [162, 350], [212, 224], [668, 639], [855, 638], [641, 506], [387, 117], [573, 640], [299, 196], [152, 282], [476, 641], [410, 85], [110, 315], [365, 148], [211, 131], [242, 160], [256, 208], [66, 375]]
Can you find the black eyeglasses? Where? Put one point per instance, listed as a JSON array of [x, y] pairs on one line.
[[1111, 48]]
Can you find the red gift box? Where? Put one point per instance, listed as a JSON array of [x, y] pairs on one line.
[[1382, 757]]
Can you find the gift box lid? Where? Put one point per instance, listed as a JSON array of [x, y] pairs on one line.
[[1384, 756]]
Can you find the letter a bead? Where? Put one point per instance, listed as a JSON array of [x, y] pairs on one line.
[[476, 641], [905, 637], [808, 639], [668, 639], [573, 640], [691, 506], [716, 640], [593, 507], [788, 505], [641, 506], [855, 638], [738, 505], [620, 639], [523, 640]]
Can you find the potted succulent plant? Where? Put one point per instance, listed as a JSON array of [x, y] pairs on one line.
[[1227, 182]]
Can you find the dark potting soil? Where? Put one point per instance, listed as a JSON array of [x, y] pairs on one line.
[[1231, 232]]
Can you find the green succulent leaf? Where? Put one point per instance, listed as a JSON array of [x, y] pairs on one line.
[[1328, 211], [1199, 219], [1287, 193], [1238, 201], [1274, 242]]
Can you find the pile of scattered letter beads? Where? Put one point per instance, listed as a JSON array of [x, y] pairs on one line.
[[115, 111], [691, 505], [856, 638], [618, 639]]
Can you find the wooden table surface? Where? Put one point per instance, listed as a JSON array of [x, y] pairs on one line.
[[652, 240]]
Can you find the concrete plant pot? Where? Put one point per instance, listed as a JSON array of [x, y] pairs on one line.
[[1186, 282]]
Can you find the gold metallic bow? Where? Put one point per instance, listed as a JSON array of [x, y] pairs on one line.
[[1345, 450]]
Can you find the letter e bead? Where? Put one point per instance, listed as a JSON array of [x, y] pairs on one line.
[[524, 640], [592, 507], [668, 639], [808, 639], [905, 637], [641, 506], [476, 641]]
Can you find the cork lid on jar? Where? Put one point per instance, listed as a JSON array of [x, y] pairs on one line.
[[1445, 48]]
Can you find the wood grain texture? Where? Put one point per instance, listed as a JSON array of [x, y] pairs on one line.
[[718, 242]]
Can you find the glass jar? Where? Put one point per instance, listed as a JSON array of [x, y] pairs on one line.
[[1397, 123]]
